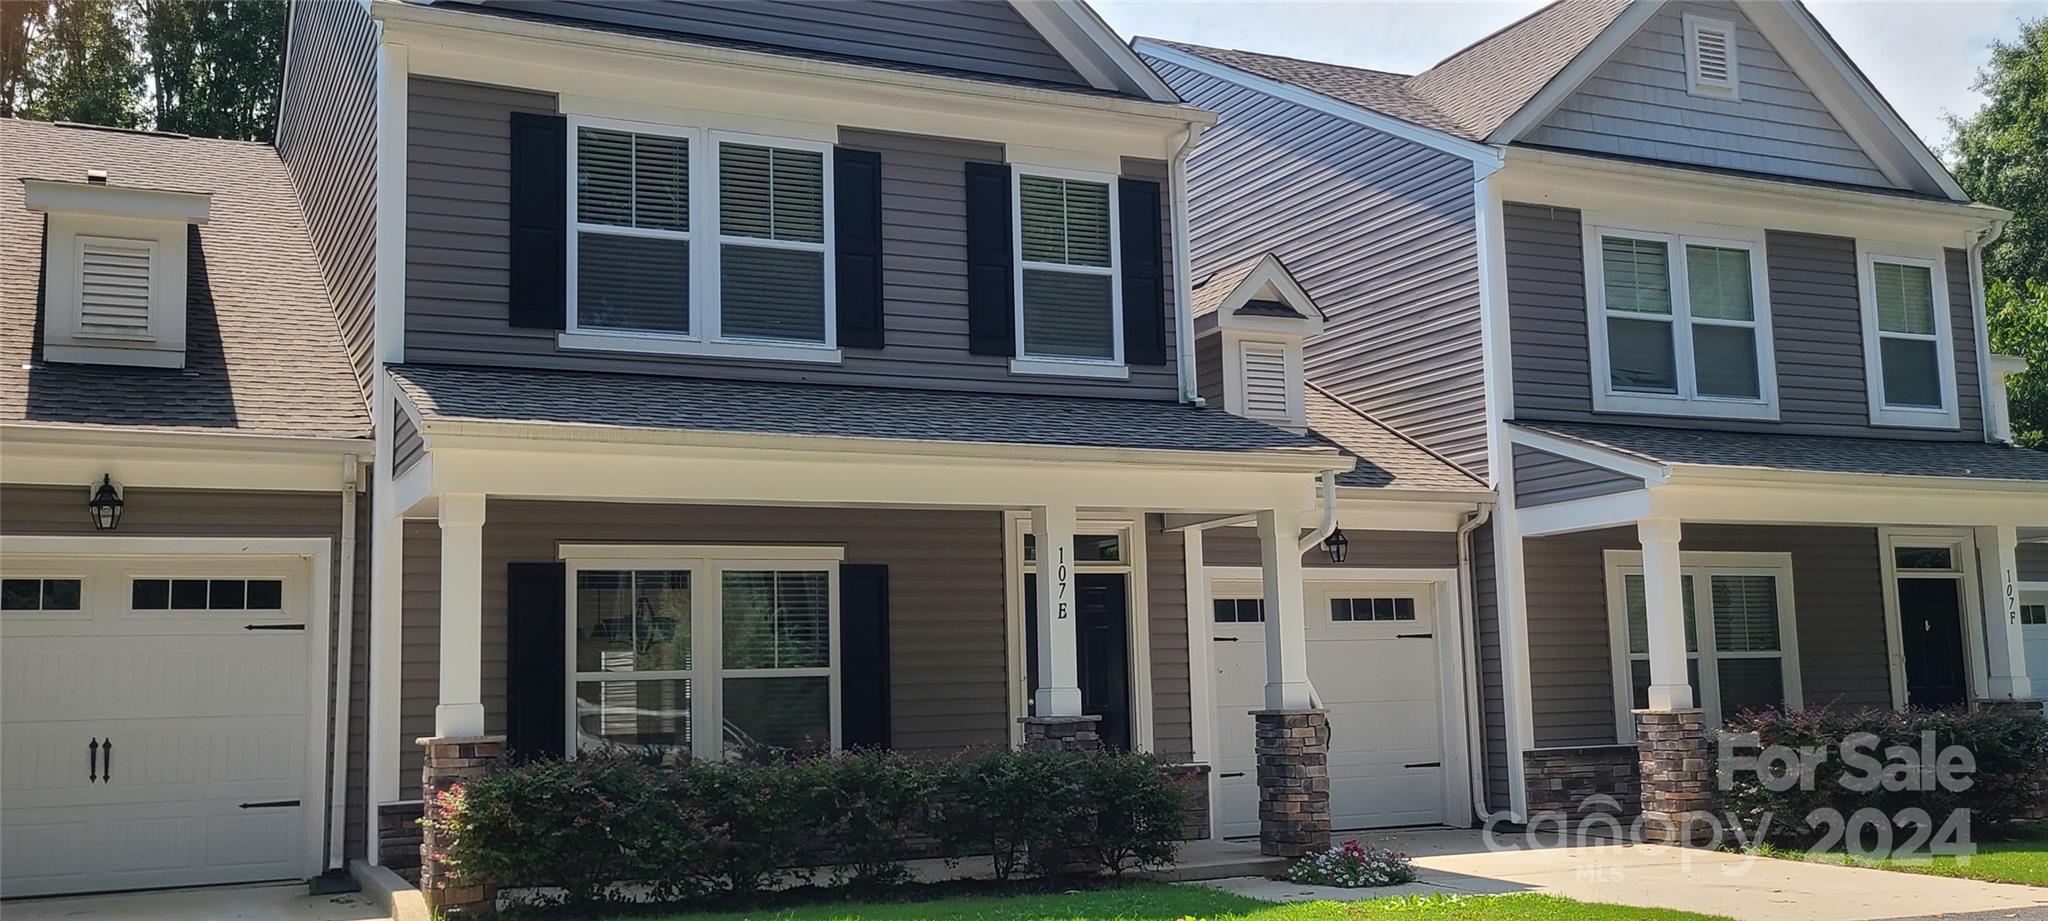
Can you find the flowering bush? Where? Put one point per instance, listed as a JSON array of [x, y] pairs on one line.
[[1353, 866]]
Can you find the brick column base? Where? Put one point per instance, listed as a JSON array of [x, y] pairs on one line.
[[1062, 733], [1293, 748], [450, 763], [1193, 780], [398, 839], [1677, 787]]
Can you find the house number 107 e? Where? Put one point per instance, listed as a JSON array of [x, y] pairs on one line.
[[1061, 578]]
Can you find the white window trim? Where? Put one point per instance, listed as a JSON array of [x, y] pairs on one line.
[[1687, 401], [1881, 413], [705, 564], [1694, 83], [1963, 553], [705, 338], [1025, 362], [1701, 566]]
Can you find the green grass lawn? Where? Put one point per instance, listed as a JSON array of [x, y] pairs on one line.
[[1158, 902], [2022, 858]]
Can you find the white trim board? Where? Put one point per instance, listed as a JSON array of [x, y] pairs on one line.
[[1964, 545], [1137, 600]]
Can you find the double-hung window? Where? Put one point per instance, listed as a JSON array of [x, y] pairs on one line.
[[1679, 325], [1742, 657], [700, 242], [1909, 361], [1069, 296], [703, 651]]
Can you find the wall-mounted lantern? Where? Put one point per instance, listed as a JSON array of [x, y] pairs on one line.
[[1337, 545], [105, 505]]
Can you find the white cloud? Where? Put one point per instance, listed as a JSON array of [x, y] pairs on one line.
[[1922, 55]]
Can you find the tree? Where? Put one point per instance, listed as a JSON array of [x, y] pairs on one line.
[[2002, 159], [214, 65], [81, 65]]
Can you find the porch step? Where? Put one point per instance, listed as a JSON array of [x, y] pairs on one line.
[[1203, 860]]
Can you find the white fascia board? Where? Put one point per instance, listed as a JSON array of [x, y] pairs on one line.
[[1481, 155], [69, 197], [1092, 47], [1706, 474], [1585, 514], [1568, 80], [1641, 468], [170, 459], [1751, 500]]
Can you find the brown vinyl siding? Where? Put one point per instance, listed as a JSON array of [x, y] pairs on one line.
[[407, 445], [1209, 384], [1542, 478], [1486, 624], [153, 512], [1380, 232], [1166, 593], [946, 606], [1837, 594], [1381, 549], [327, 138], [458, 258], [1816, 317]]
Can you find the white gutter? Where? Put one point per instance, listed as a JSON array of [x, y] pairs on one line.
[[344, 633], [1183, 280], [1979, 242], [1468, 600], [1312, 538]]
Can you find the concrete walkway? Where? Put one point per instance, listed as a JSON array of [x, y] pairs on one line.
[[270, 902], [1652, 876]]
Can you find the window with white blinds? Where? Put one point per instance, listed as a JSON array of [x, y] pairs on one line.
[[1906, 330], [114, 294], [1711, 57], [1738, 658], [1265, 381], [761, 273], [709, 653], [1679, 325], [1067, 282]]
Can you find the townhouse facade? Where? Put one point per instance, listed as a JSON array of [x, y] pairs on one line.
[[1709, 318]]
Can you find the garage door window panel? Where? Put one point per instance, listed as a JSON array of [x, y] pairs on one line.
[[199, 594], [31, 594]]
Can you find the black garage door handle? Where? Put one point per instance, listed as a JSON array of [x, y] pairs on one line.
[[269, 804]]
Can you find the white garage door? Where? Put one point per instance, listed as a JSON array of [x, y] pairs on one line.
[[1372, 656], [153, 722], [2034, 628]]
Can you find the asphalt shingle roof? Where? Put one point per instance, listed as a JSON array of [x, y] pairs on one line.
[[1963, 460], [262, 352], [1210, 292], [1378, 90], [443, 392], [1386, 458]]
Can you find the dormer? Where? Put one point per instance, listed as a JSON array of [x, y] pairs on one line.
[[1251, 319], [114, 257]]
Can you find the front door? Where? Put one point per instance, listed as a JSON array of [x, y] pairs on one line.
[[1931, 630], [1102, 637]]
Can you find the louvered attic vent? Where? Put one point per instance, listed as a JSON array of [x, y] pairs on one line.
[[1710, 57], [115, 289], [1265, 381]]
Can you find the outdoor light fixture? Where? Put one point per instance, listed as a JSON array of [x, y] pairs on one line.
[[105, 505], [1336, 545]]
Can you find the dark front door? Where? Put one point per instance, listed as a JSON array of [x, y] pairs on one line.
[[1102, 635], [1931, 629]]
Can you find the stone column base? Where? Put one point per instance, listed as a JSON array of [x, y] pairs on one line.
[[1677, 787], [1062, 733], [450, 763], [1192, 779], [2017, 705], [1293, 748], [398, 838]]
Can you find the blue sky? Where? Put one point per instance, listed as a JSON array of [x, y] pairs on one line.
[[1922, 55]]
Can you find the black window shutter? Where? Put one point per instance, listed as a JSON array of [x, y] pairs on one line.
[[535, 663], [864, 656], [857, 199], [540, 220], [1143, 250], [991, 319]]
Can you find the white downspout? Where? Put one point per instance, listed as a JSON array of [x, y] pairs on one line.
[[337, 806], [1981, 240], [1468, 599], [1312, 538], [1183, 267]]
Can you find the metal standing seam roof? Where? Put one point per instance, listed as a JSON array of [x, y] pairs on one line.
[[1960, 460], [502, 395], [1386, 458], [263, 354]]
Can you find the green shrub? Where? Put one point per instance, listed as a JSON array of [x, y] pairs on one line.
[[2010, 781], [1134, 813], [1020, 808], [866, 807]]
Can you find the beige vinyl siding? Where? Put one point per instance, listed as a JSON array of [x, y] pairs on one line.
[[1369, 549], [1486, 625], [1166, 592], [1378, 229], [1636, 105], [60, 511], [1837, 591], [458, 263], [946, 605], [327, 138], [1542, 478]]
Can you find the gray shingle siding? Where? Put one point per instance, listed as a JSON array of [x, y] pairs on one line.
[[1166, 596], [985, 38], [327, 138], [1378, 230], [1636, 105], [1542, 478], [1209, 383], [1815, 314], [457, 263]]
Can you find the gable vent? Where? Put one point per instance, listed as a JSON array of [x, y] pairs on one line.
[[1265, 381], [114, 287], [1710, 57]]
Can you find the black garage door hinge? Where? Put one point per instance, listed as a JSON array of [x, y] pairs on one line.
[[269, 804], [1424, 764], [273, 626]]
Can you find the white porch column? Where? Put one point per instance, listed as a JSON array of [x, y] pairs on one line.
[[1059, 686], [1664, 600], [461, 711], [1287, 685], [2004, 643]]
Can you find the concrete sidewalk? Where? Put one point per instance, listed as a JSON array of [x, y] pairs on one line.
[[267, 902], [1652, 876]]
